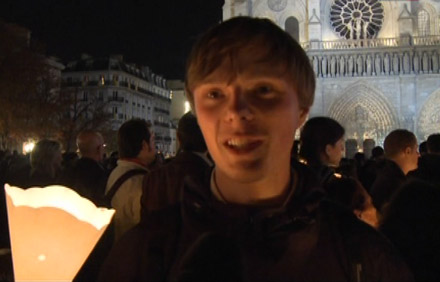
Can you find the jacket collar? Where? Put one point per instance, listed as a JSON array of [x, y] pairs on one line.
[[300, 206]]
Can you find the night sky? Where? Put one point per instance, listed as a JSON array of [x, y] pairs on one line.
[[157, 33]]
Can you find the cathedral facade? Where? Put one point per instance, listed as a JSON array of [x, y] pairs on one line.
[[376, 61]]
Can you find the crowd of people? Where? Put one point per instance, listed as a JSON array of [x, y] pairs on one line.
[[242, 201]]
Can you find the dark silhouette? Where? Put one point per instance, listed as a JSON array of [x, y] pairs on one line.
[[412, 223], [322, 146], [401, 157]]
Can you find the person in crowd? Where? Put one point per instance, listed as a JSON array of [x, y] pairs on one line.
[[46, 159], [360, 160], [17, 169], [368, 172], [256, 216], [429, 163], [163, 186], [112, 161], [137, 151], [350, 193], [86, 175], [378, 153], [401, 155], [423, 148], [69, 158], [412, 223], [347, 167], [322, 146]]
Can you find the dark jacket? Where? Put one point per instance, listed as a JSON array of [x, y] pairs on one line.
[[388, 181], [369, 171], [88, 178], [428, 169], [202, 239], [323, 173], [162, 187]]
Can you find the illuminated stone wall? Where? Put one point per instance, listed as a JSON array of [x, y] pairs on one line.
[[379, 73]]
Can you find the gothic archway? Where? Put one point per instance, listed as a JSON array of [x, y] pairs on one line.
[[429, 116], [365, 113], [291, 26]]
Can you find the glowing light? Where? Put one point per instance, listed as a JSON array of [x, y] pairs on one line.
[[42, 257], [28, 146], [187, 107]]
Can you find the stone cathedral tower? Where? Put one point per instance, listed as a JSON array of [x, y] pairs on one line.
[[376, 61]]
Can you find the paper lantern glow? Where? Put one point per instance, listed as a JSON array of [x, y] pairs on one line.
[[52, 231]]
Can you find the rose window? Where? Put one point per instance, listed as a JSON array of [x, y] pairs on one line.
[[357, 19]]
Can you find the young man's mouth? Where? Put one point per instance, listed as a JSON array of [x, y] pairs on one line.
[[242, 145]]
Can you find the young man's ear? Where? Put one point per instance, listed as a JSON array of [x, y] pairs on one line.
[[408, 150], [146, 146], [303, 113]]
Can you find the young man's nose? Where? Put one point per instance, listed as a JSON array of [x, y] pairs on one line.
[[238, 107]]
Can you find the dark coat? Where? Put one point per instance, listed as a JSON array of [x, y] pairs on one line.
[[202, 239], [367, 173], [428, 169], [163, 186], [323, 173], [412, 223], [88, 178], [388, 181]]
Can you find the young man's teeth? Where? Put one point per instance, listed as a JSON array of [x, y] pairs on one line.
[[237, 143]]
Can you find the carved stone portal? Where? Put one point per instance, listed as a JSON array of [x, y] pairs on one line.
[[429, 119], [365, 114]]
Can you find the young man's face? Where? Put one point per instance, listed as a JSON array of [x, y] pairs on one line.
[[248, 121], [413, 157]]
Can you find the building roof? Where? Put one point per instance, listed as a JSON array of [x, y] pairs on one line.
[[116, 63]]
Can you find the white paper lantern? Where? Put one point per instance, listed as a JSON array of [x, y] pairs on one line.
[[52, 231]]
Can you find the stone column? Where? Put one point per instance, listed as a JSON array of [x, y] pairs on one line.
[[368, 146], [395, 64], [350, 148], [378, 65], [342, 66], [406, 68], [434, 64], [425, 65], [315, 64], [369, 64], [386, 64], [333, 66], [324, 66], [350, 65], [416, 62], [359, 65]]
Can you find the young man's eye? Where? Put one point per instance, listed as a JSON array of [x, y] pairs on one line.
[[214, 94], [264, 91]]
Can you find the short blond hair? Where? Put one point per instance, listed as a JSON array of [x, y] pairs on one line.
[[261, 39]]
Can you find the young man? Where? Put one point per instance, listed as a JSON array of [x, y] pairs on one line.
[[401, 155], [162, 187], [253, 217], [137, 151]]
